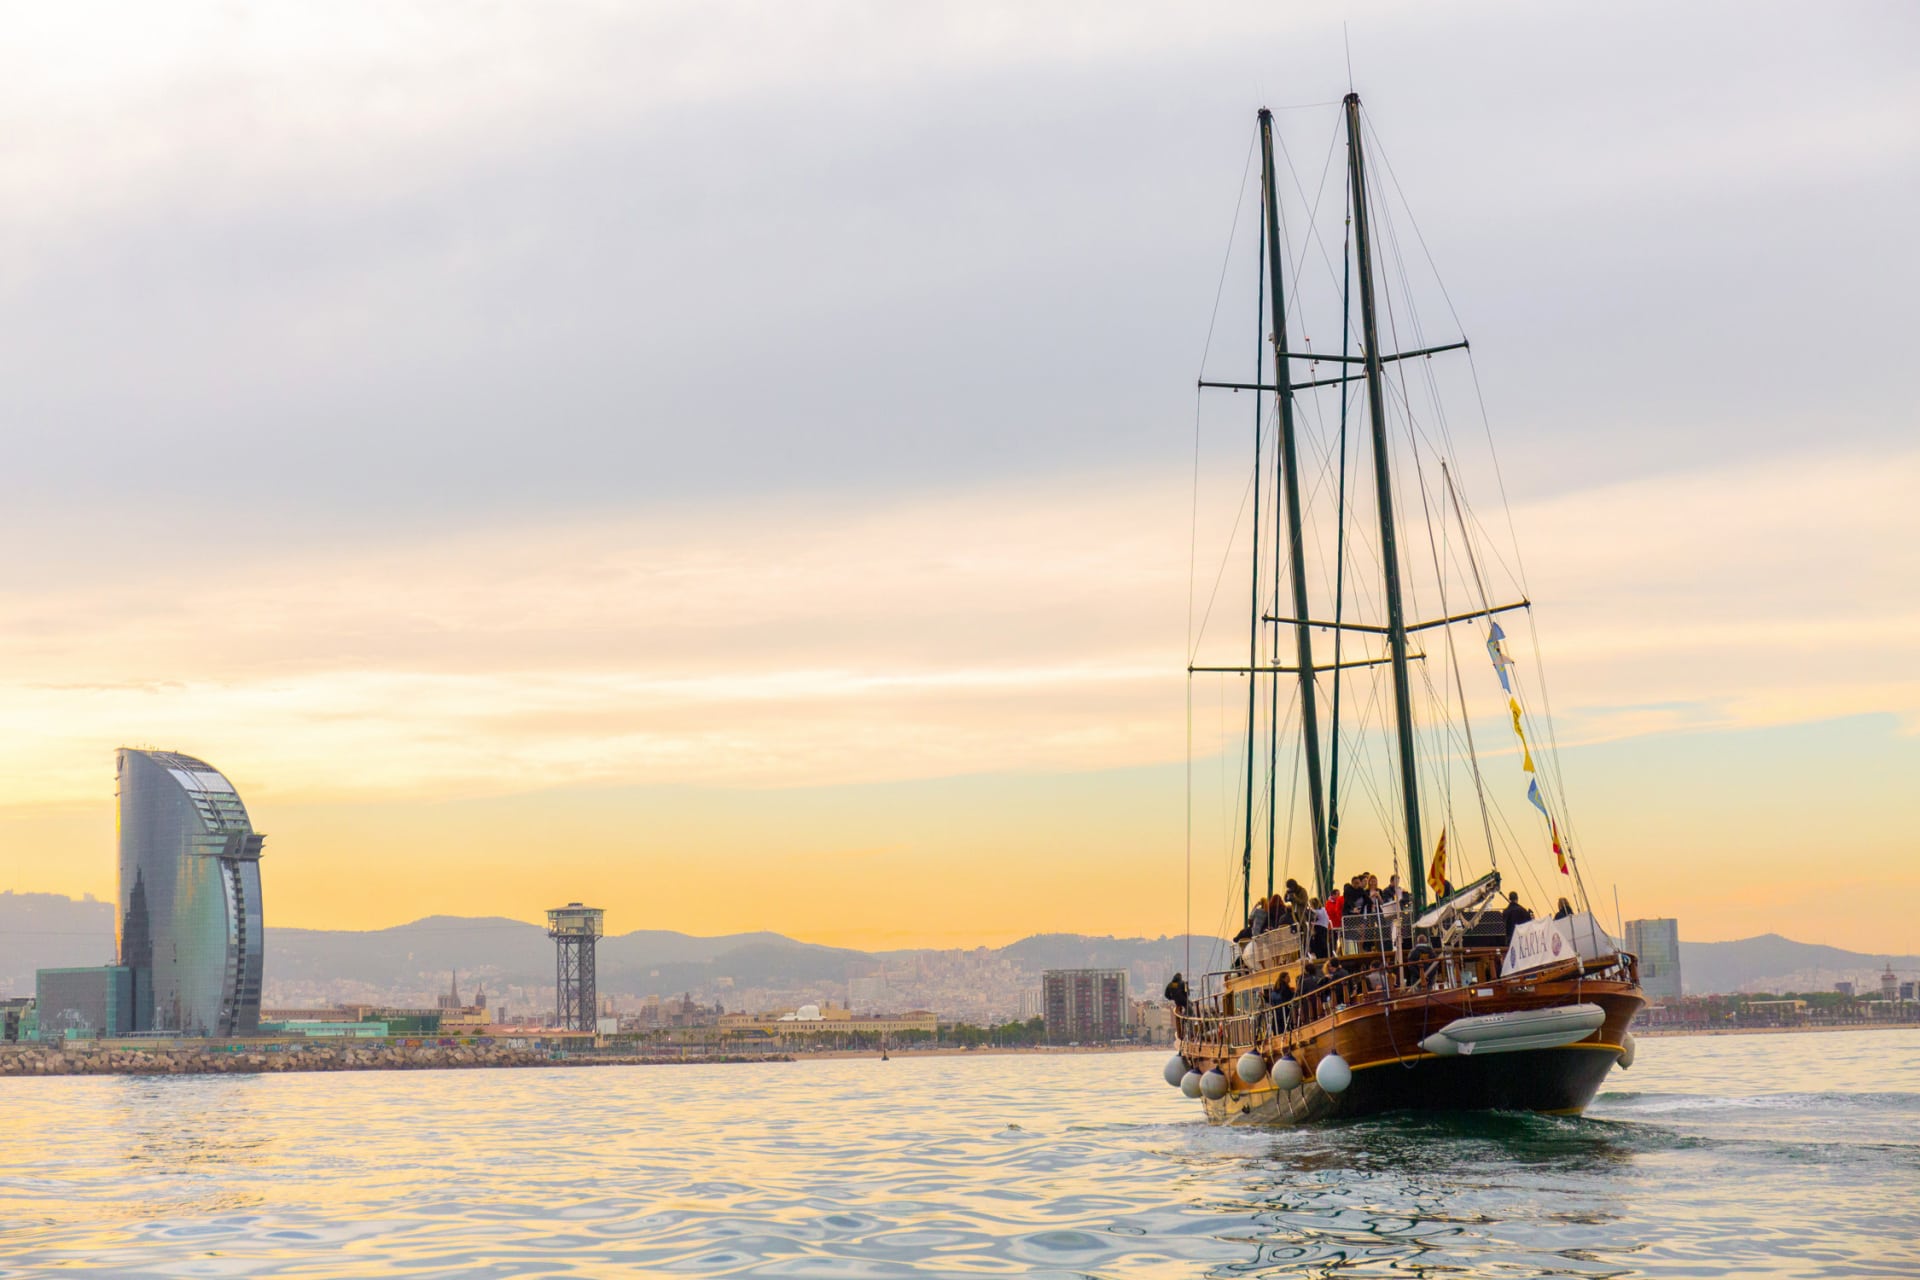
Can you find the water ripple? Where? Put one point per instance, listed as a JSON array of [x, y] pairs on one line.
[[1735, 1155]]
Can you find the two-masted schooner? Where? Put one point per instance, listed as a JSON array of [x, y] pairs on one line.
[[1353, 1000]]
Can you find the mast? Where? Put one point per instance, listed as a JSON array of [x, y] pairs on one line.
[[1290, 483], [1389, 547]]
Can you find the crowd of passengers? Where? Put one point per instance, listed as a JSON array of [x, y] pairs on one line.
[[1317, 920], [1323, 986]]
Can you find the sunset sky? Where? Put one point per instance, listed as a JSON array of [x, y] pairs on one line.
[[734, 464]]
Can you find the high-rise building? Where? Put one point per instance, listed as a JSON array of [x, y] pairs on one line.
[[1657, 943], [1084, 1005], [188, 913]]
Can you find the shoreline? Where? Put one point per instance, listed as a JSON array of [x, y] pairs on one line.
[[28, 1061], [957, 1051], [31, 1061]]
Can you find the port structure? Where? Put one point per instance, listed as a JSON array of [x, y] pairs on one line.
[[574, 930]]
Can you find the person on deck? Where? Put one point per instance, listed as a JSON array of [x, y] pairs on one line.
[[1515, 915], [1257, 921], [1176, 994], [1321, 938], [1282, 996], [1296, 899], [1565, 909], [1310, 983], [1395, 893]]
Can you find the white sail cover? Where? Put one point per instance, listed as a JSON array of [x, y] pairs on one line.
[[1539, 942]]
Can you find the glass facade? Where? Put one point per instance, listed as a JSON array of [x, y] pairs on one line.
[[83, 1003], [189, 903], [1657, 943]]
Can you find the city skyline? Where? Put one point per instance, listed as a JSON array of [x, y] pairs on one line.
[[422, 501]]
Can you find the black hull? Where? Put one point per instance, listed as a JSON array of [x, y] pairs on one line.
[[1552, 1081], [1558, 1081]]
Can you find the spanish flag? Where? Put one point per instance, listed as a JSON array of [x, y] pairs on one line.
[[1437, 873]]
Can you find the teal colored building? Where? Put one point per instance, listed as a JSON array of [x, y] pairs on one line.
[[315, 1029], [83, 1004]]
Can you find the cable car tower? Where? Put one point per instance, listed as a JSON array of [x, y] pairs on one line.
[[574, 930]]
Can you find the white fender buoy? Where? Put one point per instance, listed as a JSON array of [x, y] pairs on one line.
[[1333, 1074], [1213, 1085], [1175, 1071], [1190, 1084], [1287, 1073], [1626, 1051], [1252, 1068]]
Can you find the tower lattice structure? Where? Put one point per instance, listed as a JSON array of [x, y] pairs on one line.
[[574, 930]]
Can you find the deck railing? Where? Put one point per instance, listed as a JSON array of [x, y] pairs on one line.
[[1214, 1021]]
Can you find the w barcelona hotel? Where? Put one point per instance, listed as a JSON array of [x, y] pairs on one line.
[[188, 912], [189, 903]]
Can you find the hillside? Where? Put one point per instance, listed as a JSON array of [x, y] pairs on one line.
[[1773, 963], [42, 930]]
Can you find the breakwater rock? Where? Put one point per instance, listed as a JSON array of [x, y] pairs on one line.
[[106, 1060]]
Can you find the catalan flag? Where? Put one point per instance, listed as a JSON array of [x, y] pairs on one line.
[[1437, 873]]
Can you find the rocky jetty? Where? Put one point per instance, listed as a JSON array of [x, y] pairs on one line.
[[114, 1060]]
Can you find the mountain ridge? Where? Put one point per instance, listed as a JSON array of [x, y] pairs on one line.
[[41, 930]]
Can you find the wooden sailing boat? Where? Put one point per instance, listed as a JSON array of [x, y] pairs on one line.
[[1411, 1003]]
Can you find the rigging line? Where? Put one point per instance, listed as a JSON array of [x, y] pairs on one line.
[[1193, 526], [1313, 216], [1553, 742], [1362, 778], [1340, 522], [1432, 266], [1399, 260], [1293, 792], [1273, 717], [1453, 660], [1444, 731], [1452, 739], [1313, 229], [1253, 622], [1233, 230], [1480, 586], [1220, 575], [1193, 529], [1499, 477], [1273, 772]]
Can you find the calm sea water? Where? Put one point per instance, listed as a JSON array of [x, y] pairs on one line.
[[1753, 1155]]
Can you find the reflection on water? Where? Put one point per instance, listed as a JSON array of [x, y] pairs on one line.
[[1753, 1155]]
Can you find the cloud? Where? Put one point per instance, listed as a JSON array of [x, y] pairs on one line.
[[1017, 628], [771, 647], [1762, 593]]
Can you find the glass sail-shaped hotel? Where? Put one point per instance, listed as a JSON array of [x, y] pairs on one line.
[[189, 904]]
